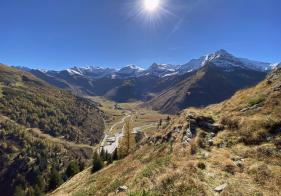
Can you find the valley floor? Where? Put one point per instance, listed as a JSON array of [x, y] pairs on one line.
[[117, 113]]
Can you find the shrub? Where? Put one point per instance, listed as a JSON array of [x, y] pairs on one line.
[[72, 169], [253, 138], [229, 168], [230, 123], [261, 173], [201, 165]]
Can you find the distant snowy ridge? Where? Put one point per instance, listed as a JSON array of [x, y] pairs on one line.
[[275, 65], [220, 58]]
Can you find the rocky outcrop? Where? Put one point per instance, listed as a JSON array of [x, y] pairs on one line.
[[205, 123]]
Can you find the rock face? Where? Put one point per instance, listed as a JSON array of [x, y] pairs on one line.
[[204, 123]]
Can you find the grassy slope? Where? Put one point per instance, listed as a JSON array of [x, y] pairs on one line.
[[171, 168]]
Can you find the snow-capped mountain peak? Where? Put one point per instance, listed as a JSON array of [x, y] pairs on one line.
[[163, 67], [130, 71], [132, 67], [224, 59], [216, 55], [161, 70], [74, 71]]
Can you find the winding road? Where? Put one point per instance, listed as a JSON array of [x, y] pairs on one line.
[[112, 145], [120, 122]]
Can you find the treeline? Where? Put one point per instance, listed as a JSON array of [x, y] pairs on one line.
[[103, 158], [32, 166]]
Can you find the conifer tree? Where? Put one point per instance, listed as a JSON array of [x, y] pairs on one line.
[[55, 179], [115, 155], [97, 162]]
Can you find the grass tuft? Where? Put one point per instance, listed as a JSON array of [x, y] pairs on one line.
[[256, 100]]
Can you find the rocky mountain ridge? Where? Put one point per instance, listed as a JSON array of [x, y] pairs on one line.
[[219, 58]]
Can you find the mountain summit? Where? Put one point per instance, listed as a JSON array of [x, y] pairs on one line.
[[222, 58], [130, 71]]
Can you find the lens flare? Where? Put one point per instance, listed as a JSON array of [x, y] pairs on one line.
[[151, 5]]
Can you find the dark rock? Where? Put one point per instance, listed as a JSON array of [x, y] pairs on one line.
[[208, 127], [168, 137], [154, 140]]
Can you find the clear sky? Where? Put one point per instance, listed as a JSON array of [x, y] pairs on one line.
[[55, 34]]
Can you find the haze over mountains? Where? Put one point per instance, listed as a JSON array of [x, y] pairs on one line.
[[206, 80]]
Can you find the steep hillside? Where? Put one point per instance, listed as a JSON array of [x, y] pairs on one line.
[[232, 148], [208, 85], [30, 102], [30, 164], [40, 131]]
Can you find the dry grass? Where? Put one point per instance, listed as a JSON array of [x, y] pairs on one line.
[[175, 169]]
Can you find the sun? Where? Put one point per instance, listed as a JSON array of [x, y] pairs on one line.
[[151, 5]]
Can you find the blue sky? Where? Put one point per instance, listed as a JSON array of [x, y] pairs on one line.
[[56, 34]]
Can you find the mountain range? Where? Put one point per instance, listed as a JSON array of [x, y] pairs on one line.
[[206, 80], [220, 58]]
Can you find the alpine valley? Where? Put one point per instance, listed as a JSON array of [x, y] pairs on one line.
[[168, 88], [210, 126]]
